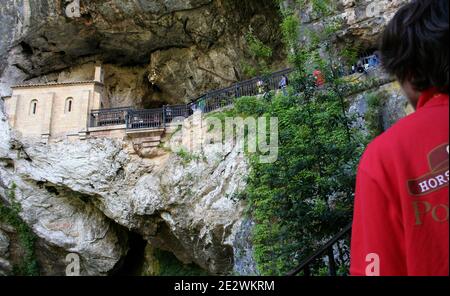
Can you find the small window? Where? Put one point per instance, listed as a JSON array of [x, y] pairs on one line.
[[69, 105], [33, 107]]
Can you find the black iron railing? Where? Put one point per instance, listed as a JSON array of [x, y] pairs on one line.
[[209, 102], [213, 102], [146, 119], [335, 253], [109, 117], [221, 98], [177, 111]]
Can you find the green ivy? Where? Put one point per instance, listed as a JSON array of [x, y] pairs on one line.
[[260, 53], [289, 28], [28, 265], [350, 54]]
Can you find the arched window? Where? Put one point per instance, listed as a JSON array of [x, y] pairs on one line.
[[69, 105], [33, 107]]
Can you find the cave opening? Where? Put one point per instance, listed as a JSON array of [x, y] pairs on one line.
[[132, 264], [367, 51], [163, 263]]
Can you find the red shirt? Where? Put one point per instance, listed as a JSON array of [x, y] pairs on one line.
[[400, 224], [320, 80]]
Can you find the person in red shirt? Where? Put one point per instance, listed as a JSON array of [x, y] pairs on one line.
[[318, 76], [401, 213]]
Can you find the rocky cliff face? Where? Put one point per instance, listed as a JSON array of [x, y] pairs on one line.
[[363, 20], [392, 105], [169, 51], [86, 198]]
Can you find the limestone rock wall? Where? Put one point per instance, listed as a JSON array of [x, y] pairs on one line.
[[164, 51], [363, 20], [393, 105], [84, 198]]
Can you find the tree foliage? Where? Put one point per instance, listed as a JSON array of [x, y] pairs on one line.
[[261, 55], [306, 196]]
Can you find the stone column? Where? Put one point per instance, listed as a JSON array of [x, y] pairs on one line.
[[98, 76], [95, 101]]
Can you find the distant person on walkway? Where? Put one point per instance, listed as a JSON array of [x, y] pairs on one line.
[[401, 213], [193, 107], [202, 105], [168, 112], [373, 61], [318, 76], [238, 91], [283, 84], [376, 54], [260, 87], [360, 67]]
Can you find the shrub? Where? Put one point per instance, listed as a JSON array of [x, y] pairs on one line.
[[28, 265]]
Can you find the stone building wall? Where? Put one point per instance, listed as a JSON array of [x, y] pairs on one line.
[[52, 117]]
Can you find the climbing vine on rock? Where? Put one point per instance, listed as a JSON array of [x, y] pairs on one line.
[[28, 265], [260, 53]]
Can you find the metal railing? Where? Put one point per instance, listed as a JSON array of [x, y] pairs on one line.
[[108, 117], [146, 119], [221, 98], [175, 111], [332, 251], [209, 102], [213, 102]]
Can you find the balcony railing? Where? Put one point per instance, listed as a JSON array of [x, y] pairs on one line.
[[146, 119], [177, 111], [109, 117], [209, 102]]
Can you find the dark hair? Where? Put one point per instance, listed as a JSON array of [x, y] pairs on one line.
[[414, 44]]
